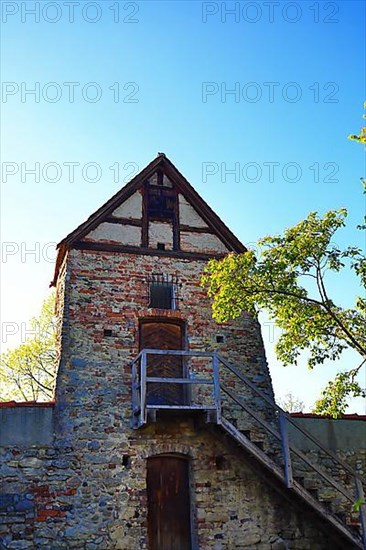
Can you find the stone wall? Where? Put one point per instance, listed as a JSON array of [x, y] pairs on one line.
[[109, 291], [37, 489], [26, 425], [345, 438], [96, 499], [347, 433]]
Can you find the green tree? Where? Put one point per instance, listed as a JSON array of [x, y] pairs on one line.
[[288, 281], [28, 372], [361, 138]]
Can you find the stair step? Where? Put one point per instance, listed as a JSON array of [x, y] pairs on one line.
[[310, 483], [305, 475], [313, 493], [276, 457], [342, 516], [354, 518], [327, 505], [327, 493], [354, 529], [259, 444]]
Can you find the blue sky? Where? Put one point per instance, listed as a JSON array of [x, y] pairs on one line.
[[270, 95]]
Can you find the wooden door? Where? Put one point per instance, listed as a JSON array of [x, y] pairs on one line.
[[163, 335], [169, 523]]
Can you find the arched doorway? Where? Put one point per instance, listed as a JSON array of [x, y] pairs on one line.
[[169, 507]]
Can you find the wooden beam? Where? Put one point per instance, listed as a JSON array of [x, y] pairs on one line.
[[145, 217], [124, 221], [208, 215], [191, 229], [176, 228], [124, 249], [160, 176]]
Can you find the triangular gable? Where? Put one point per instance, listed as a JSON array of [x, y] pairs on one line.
[[200, 214]]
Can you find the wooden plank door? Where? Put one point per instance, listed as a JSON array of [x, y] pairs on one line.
[[163, 335], [169, 523]]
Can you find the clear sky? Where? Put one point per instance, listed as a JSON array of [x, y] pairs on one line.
[[252, 101]]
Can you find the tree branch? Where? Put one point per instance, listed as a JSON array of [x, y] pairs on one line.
[[350, 338]]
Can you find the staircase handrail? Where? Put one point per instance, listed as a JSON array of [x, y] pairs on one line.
[[274, 405], [293, 448]]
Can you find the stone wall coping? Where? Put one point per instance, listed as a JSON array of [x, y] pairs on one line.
[[353, 416], [16, 404]]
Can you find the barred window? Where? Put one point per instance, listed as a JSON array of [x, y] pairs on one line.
[[163, 291]]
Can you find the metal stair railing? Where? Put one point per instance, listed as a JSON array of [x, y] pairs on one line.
[[140, 380], [287, 446]]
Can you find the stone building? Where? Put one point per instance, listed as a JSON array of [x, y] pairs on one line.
[[164, 434]]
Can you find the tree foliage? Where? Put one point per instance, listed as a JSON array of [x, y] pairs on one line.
[[361, 138], [28, 372], [288, 280]]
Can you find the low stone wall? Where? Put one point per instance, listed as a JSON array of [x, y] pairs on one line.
[[26, 424], [94, 498], [346, 437], [335, 434]]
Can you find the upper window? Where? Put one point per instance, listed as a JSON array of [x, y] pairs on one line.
[[162, 292], [161, 203]]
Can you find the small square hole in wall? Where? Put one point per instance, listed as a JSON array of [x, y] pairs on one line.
[[220, 338], [161, 246], [107, 333], [221, 463], [125, 460]]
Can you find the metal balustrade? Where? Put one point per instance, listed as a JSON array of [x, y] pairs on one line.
[[202, 369]]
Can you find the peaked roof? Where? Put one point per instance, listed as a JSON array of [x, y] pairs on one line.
[[184, 187]]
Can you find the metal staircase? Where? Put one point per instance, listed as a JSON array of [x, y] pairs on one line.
[[221, 391]]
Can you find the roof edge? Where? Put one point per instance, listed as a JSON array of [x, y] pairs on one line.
[[225, 234]]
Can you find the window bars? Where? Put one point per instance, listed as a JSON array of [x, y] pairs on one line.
[[162, 291]]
